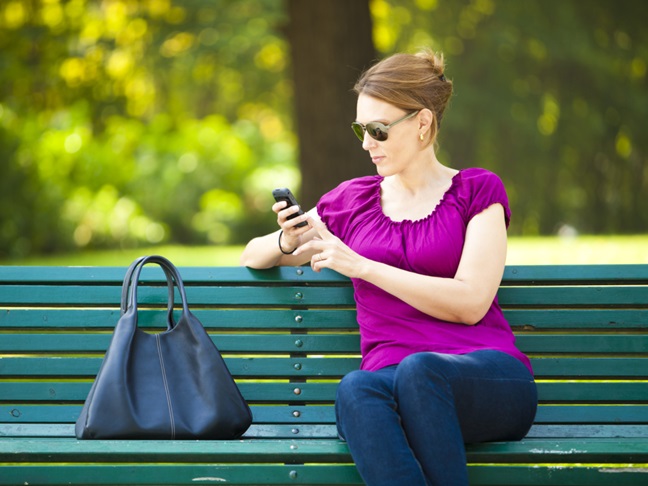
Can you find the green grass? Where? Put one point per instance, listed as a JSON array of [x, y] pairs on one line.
[[192, 256], [554, 250], [522, 251]]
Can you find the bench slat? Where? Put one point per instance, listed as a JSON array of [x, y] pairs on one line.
[[582, 367], [325, 414], [539, 274], [568, 391], [256, 431], [226, 343], [578, 319], [529, 475], [155, 318], [324, 343], [255, 392], [75, 295], [239, 367], [572, 319], [260, 450], [263, 414], [152, 273], [590, 296], [173, 474], [589, 431], [44, 295], [246, 367], [513, 274], [329, 431], [583, 343]]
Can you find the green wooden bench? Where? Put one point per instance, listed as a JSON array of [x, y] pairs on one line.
[[288, 335]]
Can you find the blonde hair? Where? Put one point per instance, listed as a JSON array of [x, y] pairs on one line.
[[410, 82]]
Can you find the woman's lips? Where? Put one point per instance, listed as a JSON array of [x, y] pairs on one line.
[[376, 159]]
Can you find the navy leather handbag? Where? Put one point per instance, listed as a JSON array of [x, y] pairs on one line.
[[169, 385]]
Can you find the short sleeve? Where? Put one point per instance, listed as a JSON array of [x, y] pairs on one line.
[[486, 189], [341, 208]]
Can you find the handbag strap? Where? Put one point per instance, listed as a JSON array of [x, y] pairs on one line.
[[134, 270], [126, 284], [170, 269]]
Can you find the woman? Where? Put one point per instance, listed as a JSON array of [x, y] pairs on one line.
[[425, 247]]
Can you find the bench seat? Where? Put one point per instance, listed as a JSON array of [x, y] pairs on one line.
[[288, 335]]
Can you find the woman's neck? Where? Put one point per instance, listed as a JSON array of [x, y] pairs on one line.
[[428, 174]]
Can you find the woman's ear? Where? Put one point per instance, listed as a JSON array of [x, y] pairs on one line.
[[426, 121], [427, 125]]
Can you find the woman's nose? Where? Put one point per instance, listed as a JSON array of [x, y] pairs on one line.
[[367, 141]]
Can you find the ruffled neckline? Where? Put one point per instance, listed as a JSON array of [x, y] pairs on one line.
[[377, 202]]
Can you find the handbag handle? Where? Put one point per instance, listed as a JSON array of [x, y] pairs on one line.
[[126, 284], [132, 275]]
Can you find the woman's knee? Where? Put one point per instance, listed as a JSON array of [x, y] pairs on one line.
[[348, 387], [359, 384], [422, 369], [361, 394]]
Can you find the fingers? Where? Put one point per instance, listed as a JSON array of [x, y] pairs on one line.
[[318, 261], [278, 206], [283, 215], [321, 228], [319, 244]]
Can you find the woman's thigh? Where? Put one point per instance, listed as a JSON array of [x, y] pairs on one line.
[[494, 394]]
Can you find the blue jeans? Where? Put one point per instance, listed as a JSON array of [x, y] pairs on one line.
[[407, 424]]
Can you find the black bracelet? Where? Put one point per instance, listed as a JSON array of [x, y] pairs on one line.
[[282, 250]]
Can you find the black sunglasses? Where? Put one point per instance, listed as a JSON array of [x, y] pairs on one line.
[[376, 130]]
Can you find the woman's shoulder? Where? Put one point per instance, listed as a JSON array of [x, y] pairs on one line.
[[475, 180], [479, 175], [361, 183], [360, 188], [341, 207], [478, 189]]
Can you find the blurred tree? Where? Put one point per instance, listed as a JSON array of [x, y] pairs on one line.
[[141, 121], [127, 121], [550, 94], [331, 43]]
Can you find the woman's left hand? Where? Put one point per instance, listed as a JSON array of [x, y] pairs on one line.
[[329, 252]]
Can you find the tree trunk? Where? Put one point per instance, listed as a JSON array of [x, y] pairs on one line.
[[331, 44]]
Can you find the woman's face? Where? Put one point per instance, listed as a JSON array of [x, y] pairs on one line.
[[393, 155]]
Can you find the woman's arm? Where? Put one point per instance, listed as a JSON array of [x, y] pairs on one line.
[[463, 299], [263, 252]]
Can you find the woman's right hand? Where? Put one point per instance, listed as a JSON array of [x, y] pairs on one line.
[[263, 251], [291, 237]]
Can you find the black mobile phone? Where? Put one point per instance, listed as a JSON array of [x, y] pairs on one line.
[[284, 194]]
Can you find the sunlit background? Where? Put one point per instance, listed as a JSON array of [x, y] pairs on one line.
[[128, 126]]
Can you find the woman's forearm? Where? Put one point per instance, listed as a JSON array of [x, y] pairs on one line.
[[464, 298], [262, 252], [449, 299], [275, 249], [469, 294]]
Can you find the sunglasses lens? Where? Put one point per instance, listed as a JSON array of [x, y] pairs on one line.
[[377, 131], [358, 130]]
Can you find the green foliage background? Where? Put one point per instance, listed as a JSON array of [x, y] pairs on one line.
[[128, 122], [551, 95], [137, 122]]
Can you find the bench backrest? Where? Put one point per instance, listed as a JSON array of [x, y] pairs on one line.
[[289, 334]]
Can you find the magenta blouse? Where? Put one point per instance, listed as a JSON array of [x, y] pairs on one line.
[[390, 329]]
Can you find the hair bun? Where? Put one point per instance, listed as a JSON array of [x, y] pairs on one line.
[[436, 61]]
